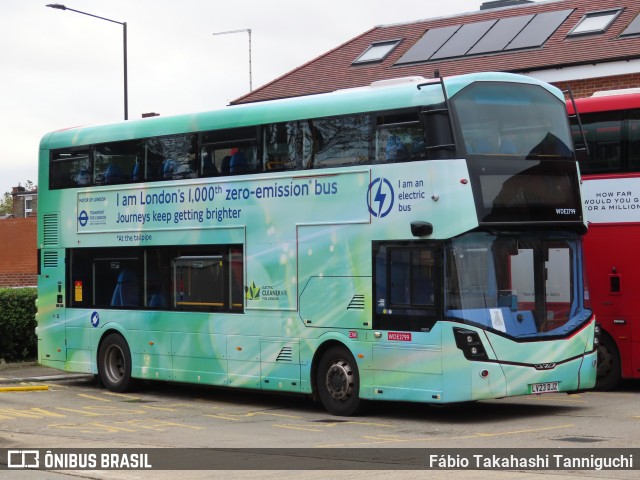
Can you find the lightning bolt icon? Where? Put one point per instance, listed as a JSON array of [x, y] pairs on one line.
[[380, 198]]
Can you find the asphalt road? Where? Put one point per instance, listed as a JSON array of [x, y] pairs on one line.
[[41, 409]]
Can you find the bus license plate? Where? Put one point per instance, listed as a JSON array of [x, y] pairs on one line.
[[544, 387]]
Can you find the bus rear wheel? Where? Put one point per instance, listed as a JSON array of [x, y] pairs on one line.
[[338, 382], [114, 364], [608, 373]]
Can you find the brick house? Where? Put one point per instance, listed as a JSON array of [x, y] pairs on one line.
[[25, 202], [589, 45], [18, 249]]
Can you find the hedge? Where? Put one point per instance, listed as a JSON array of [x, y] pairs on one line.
[[18, 341]]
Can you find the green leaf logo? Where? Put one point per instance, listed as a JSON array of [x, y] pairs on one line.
[[252, 292]]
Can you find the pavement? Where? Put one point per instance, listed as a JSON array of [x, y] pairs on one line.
[[30, 372]]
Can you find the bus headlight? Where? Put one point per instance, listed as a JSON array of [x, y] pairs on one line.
[[470, 344]]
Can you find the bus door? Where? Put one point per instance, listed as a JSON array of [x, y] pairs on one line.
[[407, 351]]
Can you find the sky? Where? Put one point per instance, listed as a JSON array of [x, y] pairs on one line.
[[61, 69]]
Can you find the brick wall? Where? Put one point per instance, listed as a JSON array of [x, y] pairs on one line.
[[585, 88], [18, 252]]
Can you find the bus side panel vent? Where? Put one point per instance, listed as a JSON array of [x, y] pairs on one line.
[[51, 229], [285, 355], [50, 259], [356, 303]]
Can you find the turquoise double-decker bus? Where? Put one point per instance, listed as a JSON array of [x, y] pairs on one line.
[[414, 240]]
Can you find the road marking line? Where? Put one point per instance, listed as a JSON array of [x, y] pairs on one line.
[[167, 409], [122, 395], [92, 427], [222, 417], [173, 424], [519, 431], [372, 424], [93, 397], [30, 413], [272, 414], [295, 427], [84, 412]]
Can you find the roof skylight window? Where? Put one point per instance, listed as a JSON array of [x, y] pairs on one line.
[[595, 22], [633, 28], [377, 52]]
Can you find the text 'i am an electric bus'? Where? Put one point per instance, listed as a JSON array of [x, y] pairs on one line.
[[414, 240]]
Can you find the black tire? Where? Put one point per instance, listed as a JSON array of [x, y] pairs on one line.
[[114, 364], [338, 382], [609, 372]]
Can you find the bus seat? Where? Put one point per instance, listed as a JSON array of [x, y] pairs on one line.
[[208, 167], [482, 145], [113, 174], [225, 165], [508, 147], [158, 300], [126, 291], [135, 173], [168, 166], [238, 163]]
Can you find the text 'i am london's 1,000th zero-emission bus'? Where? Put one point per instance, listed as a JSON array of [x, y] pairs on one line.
[[611, 192], [414, 240]]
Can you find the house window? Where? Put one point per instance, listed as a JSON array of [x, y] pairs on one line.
[[28, 206], [377, 52], [595, 22]]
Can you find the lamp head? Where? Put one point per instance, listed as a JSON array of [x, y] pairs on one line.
[[57, 6]]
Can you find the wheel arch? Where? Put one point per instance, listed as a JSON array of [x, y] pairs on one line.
[[613, 377], [103, 335], [320, 351]]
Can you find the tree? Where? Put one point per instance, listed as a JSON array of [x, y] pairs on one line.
[[6, 204]]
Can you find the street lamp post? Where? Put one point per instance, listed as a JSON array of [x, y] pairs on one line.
[[248, 30], [58, 6]]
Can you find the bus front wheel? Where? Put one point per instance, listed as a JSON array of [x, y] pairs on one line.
[[114, 363], [608, 374], [338, 382]]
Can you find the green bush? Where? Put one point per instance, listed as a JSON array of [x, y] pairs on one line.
[[18, 340]]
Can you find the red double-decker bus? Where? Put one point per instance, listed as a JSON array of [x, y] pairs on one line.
[[611, 195]]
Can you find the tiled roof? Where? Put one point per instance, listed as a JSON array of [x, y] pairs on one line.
[[335, 69]]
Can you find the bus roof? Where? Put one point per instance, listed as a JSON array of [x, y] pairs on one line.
[[386, 95], [606, 103]]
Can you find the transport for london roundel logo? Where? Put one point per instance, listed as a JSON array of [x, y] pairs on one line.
[[380, 197], [83, 218]]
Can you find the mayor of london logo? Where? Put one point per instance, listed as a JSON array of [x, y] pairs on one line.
[[380, 197]]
